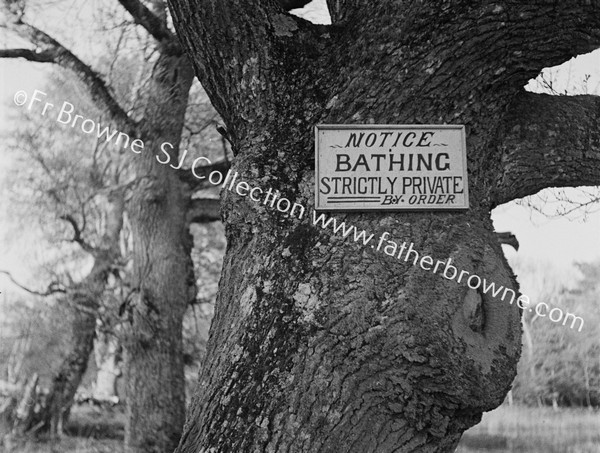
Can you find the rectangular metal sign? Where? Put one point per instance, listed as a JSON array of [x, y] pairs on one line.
[[391, 167]]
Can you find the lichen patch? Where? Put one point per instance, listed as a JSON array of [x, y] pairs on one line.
[[306, 301], [247, 300]]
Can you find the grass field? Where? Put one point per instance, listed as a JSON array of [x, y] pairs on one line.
[[67, 445], [91, 430], [505, 430], [532, 430]]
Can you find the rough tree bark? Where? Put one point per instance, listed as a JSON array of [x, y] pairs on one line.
[[318, 344]]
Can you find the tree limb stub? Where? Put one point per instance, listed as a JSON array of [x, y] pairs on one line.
[[508, 238]]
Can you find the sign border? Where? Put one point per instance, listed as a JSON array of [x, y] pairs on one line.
[[460, 127]]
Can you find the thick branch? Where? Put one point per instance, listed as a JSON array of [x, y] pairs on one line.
[[554, 32], [514, 39], [152, 23], [549, 141], [53, 51], [204, 210]]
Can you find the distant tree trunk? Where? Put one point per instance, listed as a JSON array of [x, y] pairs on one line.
[[586, 376], [65, 383], [163, 270], [529, 351], [24, 409], [319, 344], [15, 360], [555, 401], [106, 353]]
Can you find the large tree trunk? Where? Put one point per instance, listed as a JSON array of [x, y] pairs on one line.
[[163, 269], [338, 349], [322, 345], [318, 343]]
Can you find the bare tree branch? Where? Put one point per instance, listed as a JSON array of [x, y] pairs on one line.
[[548, 141], [204, 210], [77, 237], [50, 50], [153, 24], [53, 288], [28, 54], [572, 204]]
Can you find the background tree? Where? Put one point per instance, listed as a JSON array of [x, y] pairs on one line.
[[157, 205], [87, 195], [562, 366], [322, 345]]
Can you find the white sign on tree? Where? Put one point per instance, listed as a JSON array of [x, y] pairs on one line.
[[391, 167]]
